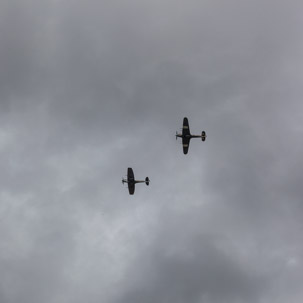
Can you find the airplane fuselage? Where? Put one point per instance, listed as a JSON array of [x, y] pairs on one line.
[[188, 136], [133, 181]]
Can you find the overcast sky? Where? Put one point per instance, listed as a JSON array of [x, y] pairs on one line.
[[90, 88]]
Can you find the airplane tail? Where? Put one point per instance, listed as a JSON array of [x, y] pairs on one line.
[[203, 136], [147, 181]]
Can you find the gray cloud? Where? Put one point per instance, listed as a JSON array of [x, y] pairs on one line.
[[89, 89]]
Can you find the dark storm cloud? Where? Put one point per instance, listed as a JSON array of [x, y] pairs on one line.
[[91, 88]]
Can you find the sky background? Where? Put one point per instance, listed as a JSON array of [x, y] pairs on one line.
[[89, 88]]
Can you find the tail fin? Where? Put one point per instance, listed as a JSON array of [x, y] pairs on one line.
[[203, 136], [147, 181]]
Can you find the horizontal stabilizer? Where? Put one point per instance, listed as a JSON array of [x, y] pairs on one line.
[[147, 181], [203, 136]]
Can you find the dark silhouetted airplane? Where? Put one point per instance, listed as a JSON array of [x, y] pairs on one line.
[[186, 136], [131, 181]]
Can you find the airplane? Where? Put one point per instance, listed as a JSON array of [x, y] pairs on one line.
[[131, 181], [186, 136]]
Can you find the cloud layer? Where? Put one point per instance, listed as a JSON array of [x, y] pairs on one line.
[[89, 89]]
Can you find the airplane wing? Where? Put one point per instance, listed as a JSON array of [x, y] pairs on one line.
[[185, 128], [185, 143], [185, 135], [131, 188], [131, 181], [130, 174]]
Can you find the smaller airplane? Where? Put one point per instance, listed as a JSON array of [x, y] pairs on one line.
[[186, 135], [131, 181]]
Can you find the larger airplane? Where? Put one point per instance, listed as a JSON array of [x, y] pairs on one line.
[[186, 136], [131, 181]]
